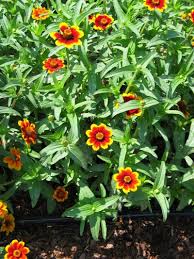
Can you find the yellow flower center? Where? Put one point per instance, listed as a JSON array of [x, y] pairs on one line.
[[53, 63], [127, 179], [67, 32], [104, 21], [17, 253], [155, 1], [99, 135]]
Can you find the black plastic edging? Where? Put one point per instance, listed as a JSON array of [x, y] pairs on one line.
[[55, 220]]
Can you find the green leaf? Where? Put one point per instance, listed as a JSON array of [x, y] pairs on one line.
[[85, 192], [187, 176], [34, 192], [163, 204], [119, 11], [160, 177], [105, 159], [79, 211], [190, 140], [104, 228], [51, 205], [147, 59], [82, 226], [103, 203], [94, 221], [74, 124], [7, 110], [122, 155], [52, 148], [10, 192], [77, 155], [102, 190], [126, 107], [121, 71], [185, 200]]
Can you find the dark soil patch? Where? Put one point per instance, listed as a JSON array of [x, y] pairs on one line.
[[128, 239]]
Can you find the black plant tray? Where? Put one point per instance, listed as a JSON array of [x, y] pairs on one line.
[[58, 220]]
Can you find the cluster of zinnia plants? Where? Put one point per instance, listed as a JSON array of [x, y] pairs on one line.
[[96, 104]]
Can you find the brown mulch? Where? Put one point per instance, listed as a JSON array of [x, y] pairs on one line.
[[128, 239]]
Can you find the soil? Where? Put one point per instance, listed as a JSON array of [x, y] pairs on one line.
[[127, 239]]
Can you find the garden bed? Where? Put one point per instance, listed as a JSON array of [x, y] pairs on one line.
[[127, 239], [96, 118]]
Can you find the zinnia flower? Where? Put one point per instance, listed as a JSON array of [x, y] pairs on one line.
[[159, 5], [60, 194], [184, 16], [129, 97], [191, 15], [40, 13], [14, 161], [68, 35], [102, 21], [8, 224], [53, 64], [91, 18], [99, 136], [3, 209], [28, 131], [16, 250], [127, 180]]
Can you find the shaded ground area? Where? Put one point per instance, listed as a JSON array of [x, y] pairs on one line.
[[127, 239]]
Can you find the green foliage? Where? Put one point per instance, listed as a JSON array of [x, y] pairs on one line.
[[145, 53]]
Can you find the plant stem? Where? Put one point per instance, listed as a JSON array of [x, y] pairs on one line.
[[131, 81]]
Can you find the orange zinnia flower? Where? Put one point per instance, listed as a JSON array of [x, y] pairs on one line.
[[28, 131], [68, 35], [8, 224], [102, 21], [127, 180], [53, 64], [14, 161], [16, 250], [3, 209], [191, 15], [99, 137], [60, 194], [129, 97], [40, 13], [159, 5]]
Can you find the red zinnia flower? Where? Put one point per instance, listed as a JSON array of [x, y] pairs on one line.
[[68, 35], [53, 64], [14, 161], [159, 5], [40, 13], [60, 194], [191, 15], [16, 250], [127, 180], [129, 97], [99, 136], [102, 21], [28, 131]]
